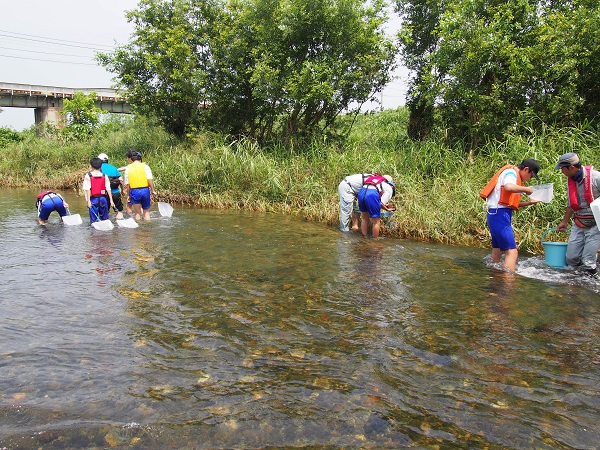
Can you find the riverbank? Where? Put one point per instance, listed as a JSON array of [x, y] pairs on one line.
[[437, 185]]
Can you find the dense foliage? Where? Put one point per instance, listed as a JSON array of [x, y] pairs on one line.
[[8, 136], [267, 70], [484, 68]]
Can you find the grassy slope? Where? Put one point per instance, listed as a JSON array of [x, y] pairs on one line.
[[437, 186]]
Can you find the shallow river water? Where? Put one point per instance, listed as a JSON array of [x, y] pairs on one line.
[[226, 329]]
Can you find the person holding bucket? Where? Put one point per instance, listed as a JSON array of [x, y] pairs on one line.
[[583, 186], [502, 196]]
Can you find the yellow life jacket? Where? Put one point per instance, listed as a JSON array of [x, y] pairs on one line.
[[136, 175]]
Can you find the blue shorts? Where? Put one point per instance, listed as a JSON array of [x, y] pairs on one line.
[[52, 204], [140, 196], [369, 201], [499, 222]]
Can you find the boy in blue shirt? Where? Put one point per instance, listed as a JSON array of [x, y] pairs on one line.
[[116, 181]]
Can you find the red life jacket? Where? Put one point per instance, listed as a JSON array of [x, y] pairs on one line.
[[98, 186], [376, 180], [41, 196], [587, 190]]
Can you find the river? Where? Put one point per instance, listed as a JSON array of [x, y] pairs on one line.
[[228, 329]]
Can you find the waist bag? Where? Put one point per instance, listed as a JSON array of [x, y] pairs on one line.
[[584, 221]]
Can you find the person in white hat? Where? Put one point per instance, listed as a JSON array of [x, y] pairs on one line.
[[583, 186], [374, 196], [116, 183]]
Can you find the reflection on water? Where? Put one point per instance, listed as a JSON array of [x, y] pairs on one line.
[[219, 329]]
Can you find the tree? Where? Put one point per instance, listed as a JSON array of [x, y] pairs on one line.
[[82, 115], [165, 70], [568, 61], [483, 66], [418, 42], [261, 68], [312, 59]]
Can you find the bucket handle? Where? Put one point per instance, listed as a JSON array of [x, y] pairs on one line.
[[568, 230]]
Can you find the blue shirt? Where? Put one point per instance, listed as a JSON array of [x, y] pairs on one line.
[[111, 171]]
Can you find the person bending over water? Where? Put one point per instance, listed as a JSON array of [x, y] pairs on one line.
[[47, 202], [374, 196]]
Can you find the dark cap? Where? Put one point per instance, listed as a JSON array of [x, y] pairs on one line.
[[567, 160], [134, 155], [533, 165]]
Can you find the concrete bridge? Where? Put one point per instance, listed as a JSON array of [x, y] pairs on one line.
[[47, 101]]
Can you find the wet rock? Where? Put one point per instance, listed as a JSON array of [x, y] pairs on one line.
[[376, 426]]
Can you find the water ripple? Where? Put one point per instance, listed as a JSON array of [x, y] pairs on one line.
[[198, 332]]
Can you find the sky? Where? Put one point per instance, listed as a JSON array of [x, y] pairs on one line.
[[53, 44]]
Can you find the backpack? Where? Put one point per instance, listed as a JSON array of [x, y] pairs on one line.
[[114, 182]]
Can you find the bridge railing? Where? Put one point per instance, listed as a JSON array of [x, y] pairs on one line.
[[103, 94]]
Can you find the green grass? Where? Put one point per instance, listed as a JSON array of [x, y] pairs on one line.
[[437, 186]]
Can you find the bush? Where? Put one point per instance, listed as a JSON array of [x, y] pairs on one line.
[[8, 136]]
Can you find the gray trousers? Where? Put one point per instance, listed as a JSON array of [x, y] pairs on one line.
[[582, 250], [347, 197]]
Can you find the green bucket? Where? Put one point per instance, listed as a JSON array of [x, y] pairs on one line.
[[555, 253]]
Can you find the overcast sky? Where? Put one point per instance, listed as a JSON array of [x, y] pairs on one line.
[[52, 43]]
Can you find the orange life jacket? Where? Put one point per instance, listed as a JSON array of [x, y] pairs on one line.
[[510, 199]]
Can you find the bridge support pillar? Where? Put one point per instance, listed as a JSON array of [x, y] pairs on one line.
[[49, 114]]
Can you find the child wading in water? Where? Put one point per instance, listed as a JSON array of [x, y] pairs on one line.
[[139, 185], [96, 187], [47, 202]]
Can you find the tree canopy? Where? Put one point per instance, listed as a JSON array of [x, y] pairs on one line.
[[483, 67], [267, 69]]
